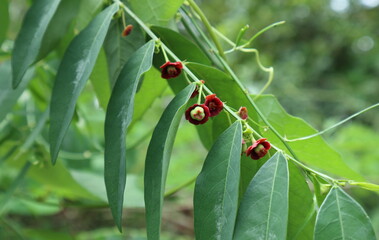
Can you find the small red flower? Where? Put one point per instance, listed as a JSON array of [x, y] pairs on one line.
[[242, 112], [196, 92], [259, 149], [171, 69], [214, 104], [197, 114], [127, 30]]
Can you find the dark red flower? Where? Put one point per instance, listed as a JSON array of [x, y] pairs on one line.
[[259, 149], [171, 69], [242, 112], [214, 104], [197, 114], [196, 92], [127, 30]]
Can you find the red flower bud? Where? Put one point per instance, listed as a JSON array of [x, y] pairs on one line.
[[242, 112], [171, 69], [196, 92], [127, 30], [259, 149], [214, 104], [197, 114]]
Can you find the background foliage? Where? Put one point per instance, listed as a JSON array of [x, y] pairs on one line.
[[326, 67]]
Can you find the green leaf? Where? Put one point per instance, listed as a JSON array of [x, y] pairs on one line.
[[156, 12], [180, 45], [87, 9], [158, 158], [263, 211], [118, 49], [29, 39], [152, 88], [58, 26], [302, 214], [216, 194], [341, 217], [4, 21], [314, 151], [73, 73], [100, 80], [118, 117], [8, 95]]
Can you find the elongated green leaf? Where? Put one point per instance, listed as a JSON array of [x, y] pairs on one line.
[[302, 214], [4, 20], [8, 95], [75, 69], [341, 217], [216, 194], [152, 88], [118, 117], [28, 42], [263, 211], [118, 49], [58, 26], [156, 11], [100, 80], [314, 151], [158, 158]]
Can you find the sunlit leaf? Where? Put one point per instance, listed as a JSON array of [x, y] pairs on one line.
[[314, 151], [29, 39], [158, 158], [341, 217], [216, 194], [75, 69], [263, 212], [156, 11], [118, 117]]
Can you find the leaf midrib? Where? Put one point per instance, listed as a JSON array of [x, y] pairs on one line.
[[271, 196]]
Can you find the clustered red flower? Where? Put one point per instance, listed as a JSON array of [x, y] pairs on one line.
[[214, 104], [171, 69], [197, 114], [200, 113], [259, 149], [128, 29]]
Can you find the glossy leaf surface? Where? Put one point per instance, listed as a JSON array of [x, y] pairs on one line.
[[263, 211], [29, 39], [74, 71], [341, 217], [216, 194], [158, 158], [118, 117]]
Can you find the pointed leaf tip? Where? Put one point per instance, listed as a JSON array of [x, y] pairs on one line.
[[118, 117]]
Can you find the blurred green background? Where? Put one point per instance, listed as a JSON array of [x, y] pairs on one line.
[[326, 61]]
